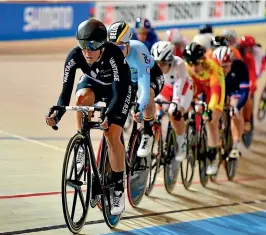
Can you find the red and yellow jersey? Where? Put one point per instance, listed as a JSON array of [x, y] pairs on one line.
[[211, 82]]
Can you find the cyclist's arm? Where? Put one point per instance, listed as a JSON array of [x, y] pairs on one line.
[[243, 85], [250, 62], [215, 89], [68, 82], [179, 89], [144, 77]]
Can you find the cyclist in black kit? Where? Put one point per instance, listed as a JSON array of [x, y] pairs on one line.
[[237, 88], [106, 74]]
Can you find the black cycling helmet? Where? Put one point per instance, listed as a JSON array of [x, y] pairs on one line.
[[205, 28], [91, 34], [193, 53], [219, 41], [119, 32]]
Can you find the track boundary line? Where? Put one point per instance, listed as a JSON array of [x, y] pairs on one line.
[[32, 141], [43, 194], [62, 226]]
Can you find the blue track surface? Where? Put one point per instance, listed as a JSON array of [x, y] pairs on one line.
[[240, 224]]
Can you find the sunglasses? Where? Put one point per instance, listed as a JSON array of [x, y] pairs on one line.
[[225, 65], [90, 45], [163, 63], [122, 47], [195, 62]]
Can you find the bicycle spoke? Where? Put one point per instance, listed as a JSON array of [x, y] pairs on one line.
[[74, 205], [73, 164], [82, 199]]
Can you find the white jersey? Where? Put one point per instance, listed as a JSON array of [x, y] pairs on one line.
[[177, 71], [258, 56], [177, 84]]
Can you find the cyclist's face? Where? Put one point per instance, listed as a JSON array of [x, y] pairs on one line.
[[249, 49], [123, 48], [227, 68], [91, 56], [142, 35], [197, 68], [164, 66]]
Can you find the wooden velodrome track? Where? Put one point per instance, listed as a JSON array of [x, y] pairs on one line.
[[32, 156]]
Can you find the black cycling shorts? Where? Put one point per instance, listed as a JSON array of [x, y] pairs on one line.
[[120, 111], [157, 79]]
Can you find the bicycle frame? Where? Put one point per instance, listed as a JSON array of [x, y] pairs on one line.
[[86, 126]]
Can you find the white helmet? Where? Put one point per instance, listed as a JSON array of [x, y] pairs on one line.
[[203, 40], [173, 36], [230, 34], [223, 54], [162, 51]]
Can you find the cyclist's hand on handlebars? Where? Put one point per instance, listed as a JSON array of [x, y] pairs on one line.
[[105, 124], [136, 116], [51, 121], [177, 114], [207, 115], [234, 112]]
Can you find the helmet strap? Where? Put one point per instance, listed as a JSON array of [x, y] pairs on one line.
[[100, 56], [128, 49]]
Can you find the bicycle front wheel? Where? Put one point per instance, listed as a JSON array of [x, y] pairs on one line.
[[171, 165], [78, 180], [188, 165], [156, 154]]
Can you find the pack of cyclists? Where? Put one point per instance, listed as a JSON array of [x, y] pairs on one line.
[[122, 63]]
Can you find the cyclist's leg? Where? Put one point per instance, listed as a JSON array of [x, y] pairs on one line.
[[247, 112], [178, 125], [116, 149], [237, 126], [213, 139], [84, 96], [156, 85]]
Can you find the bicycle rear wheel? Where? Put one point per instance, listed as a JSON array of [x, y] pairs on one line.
[[71, 178], [202, 157], [231, 168], [247, 137], [171, 165], [230, 163], [156, 154], [108, 188]]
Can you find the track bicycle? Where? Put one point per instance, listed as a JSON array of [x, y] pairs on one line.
[[226, 145], [163, 154], [196, 145], [90, 180]]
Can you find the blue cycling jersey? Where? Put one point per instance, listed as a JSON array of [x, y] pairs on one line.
[[237, 82], [151, 38], [140, 62]]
